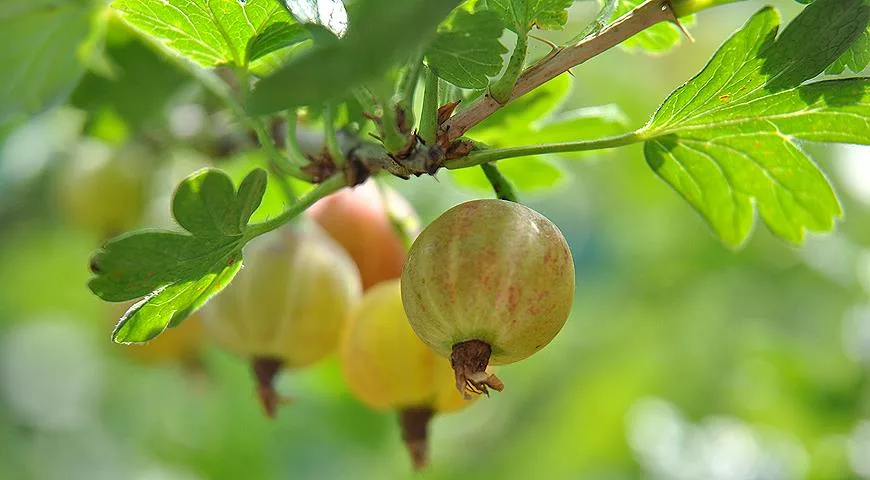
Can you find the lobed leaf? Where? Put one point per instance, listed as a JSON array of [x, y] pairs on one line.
[[178, 272], [725, 139], [467, 51], [215, 32]]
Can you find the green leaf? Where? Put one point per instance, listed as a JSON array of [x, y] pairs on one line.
[[381, 34], [659, 38], [526, 174], [215, 32], [134, 68], [467, 50], [521, 15], [724, 140], [47, 44], [856, 58], [329, 14], [178, 272]]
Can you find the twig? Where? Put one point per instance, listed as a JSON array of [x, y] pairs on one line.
[[408, 86], [330, 136], [272, 153], [486, 156], [429, 114], [501, 90], [291, 143], [637, 20]]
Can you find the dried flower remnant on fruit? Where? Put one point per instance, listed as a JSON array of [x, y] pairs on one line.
[[265, 370], [469, 361], [415, 433]]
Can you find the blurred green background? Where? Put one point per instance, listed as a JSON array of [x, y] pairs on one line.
[[682, 359]]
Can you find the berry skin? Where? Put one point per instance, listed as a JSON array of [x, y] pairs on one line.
[[103, 191], [287, 306], [360, 220], [386, 366], [488, 282]]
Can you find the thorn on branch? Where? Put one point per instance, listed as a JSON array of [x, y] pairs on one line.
[[666, 7], [553, 46]]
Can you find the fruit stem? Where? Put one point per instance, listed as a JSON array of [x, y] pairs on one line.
[[330, 135], [415, 423], [428, 129], [500, 185], [265, 370], [469, 361]]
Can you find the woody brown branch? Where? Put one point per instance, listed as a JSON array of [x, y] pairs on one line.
[[558, 62]]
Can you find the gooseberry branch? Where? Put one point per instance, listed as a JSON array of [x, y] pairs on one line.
[[560, 61]]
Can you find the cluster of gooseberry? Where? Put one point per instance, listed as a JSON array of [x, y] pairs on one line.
[[489, 282]]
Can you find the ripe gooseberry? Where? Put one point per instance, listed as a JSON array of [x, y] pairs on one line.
[[366, 221], [387, 367], [488, 282], [287, 306]]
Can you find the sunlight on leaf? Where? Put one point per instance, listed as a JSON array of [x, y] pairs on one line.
[[215, 32], [327, 13], [724, 140]]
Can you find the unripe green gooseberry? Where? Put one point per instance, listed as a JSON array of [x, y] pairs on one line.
[[103, 190], [287, 306], [369, 222], [386, 366], [488, 282]]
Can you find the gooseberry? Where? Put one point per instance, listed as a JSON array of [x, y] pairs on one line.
[[103, 190], [287, 306], [369, 222], [386, 366], [488, 282]]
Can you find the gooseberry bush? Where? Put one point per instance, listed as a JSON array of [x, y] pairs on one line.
[[334, 96]]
